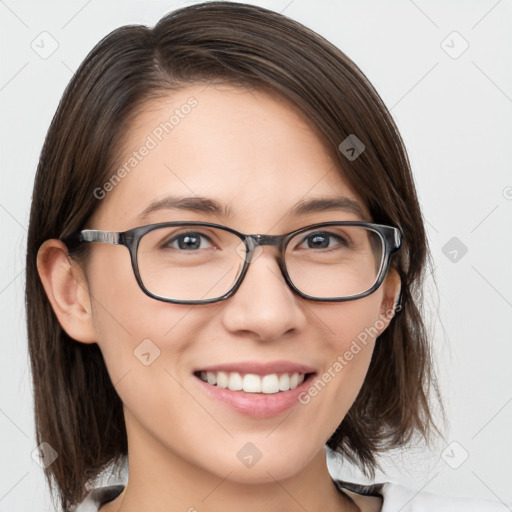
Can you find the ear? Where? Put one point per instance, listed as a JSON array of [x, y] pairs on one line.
[[67, 290], [391, 287]]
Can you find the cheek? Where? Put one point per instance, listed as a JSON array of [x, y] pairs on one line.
[[348, 343], [146, 346], [133, 330], [351, 328]]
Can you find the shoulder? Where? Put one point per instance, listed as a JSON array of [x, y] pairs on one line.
[[397, 497], [98, 497]]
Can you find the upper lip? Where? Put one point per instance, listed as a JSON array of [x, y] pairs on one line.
[[259, 368]]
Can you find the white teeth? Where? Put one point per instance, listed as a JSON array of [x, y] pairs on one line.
[[251, 383], [222, 379], [284, 382], [235, 382], [270, 383]]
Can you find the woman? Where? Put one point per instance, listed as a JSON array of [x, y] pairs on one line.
[[218, 364]]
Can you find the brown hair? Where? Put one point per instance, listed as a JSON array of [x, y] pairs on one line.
[[77, 409]]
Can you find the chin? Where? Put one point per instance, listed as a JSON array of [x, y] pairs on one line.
[[265, 473], [252, 465]]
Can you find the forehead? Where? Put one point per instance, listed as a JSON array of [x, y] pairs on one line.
[[251, 152]]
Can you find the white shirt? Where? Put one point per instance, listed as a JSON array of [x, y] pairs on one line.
[[396, 498]]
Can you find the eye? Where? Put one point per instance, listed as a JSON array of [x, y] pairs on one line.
[[323, 240], [188, 241]]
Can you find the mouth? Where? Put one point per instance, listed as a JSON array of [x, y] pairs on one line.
[[252, 383], [255, 389]]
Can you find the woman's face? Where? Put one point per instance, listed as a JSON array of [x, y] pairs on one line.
[[257, 158]]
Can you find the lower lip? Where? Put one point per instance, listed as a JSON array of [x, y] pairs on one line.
[[260, 405]]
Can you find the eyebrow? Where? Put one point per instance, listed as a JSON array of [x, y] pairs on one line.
[[192, 204], [210, 206], [329, 203]]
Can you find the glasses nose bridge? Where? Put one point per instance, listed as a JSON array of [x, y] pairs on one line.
[[255, 241]]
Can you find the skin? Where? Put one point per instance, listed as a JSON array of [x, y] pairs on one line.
[[183, 444]]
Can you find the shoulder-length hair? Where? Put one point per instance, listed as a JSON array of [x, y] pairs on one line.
[[77, 409]]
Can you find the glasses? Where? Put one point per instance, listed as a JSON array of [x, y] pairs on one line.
[[200, 262]]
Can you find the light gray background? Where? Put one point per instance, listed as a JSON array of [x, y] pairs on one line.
[[455, 115]]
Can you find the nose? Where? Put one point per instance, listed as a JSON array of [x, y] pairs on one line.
[[264, 306]]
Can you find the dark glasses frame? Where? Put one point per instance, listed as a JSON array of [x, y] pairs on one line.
[[391, 240]]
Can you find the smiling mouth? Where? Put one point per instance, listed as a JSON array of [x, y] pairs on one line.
[[252, 383]]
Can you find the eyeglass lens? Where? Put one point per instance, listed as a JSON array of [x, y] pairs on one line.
[[202, 262]]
